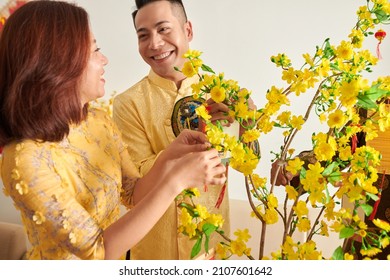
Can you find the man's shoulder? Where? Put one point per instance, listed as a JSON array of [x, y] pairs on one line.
[[135, 90]]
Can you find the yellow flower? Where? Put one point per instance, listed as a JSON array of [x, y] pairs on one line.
[[222, 251], [218, 94], [289, 75], [216, 220], [382, 224], [202, 211], [185, 217], [188, 69], [303, 225], [238, 247], [336, 119], [292, 194], [324, 229], [294, 165], [202, 112], [308, 59], [296, 122], [324, 151], [272, 201], [284, 118], [251, 135], [301, 209], [271, 216], [348, 256], [242, 235], [192, 54], [344, 50], [370, 252]]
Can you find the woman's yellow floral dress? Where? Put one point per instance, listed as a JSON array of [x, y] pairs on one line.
[[68, 192]]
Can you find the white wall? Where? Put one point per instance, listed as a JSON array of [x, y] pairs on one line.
[[238, 38]]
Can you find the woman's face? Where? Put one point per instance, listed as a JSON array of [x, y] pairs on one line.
[[92, 82]]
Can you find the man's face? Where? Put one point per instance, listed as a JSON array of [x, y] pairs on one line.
[[163, 37]]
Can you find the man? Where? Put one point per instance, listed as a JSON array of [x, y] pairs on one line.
[[151, 113]]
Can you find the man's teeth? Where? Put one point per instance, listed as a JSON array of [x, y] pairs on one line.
[[161, 56]]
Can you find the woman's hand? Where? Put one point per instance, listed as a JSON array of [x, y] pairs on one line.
[[188, 141], [198, 169]]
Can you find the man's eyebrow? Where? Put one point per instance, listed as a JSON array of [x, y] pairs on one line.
[[142, 29]]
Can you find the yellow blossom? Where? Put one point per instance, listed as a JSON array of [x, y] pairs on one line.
[[382, 224], [216, 220], [301, 209], [344, 50], [188, 69], [202, 112], [294, 165], [242, 235], [222, 251], [218, 94], [202, 211], [271, 216], [336, 119], [297, 121], [251, 135], [272, 201], [292, 194]]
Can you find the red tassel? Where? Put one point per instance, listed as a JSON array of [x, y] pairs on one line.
[[373, 214], [223, 190], [354, 143], [378, 52], [379, 35]]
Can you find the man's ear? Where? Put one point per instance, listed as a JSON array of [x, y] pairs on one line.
[[188, 30]]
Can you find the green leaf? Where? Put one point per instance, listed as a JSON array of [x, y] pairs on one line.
[[366, 103], [334, 177], [367, 209], [338, 254], [368, 99], [346, 233], [189, 208], [208, 229], [207, 69], [329, 169], [328, 52], [374, 197], [196, 249]]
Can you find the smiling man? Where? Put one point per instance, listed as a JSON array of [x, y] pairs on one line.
[[152, 113]]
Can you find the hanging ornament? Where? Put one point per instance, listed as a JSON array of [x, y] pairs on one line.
[[379, 35]]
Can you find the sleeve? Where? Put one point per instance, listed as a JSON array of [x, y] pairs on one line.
[[50, 209], [130, 173], [128, 121]]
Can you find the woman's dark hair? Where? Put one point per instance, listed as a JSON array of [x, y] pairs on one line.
[[175, 3], [44, 49]]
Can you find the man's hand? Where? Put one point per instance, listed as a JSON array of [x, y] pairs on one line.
[[279, 174]]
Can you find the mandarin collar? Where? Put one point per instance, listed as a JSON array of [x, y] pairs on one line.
[[170, 85]]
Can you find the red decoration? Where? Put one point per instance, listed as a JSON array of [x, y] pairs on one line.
[[223, 190], [379, 35], [376, 204]]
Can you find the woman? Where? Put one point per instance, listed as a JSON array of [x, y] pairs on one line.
[[64, 164]]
